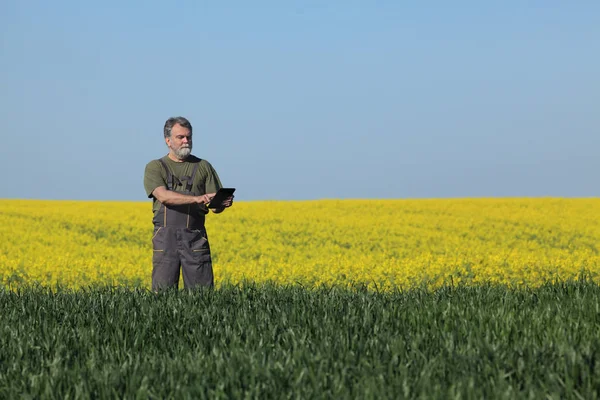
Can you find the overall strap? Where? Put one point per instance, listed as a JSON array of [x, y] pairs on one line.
[[190, 183], [169, 174]]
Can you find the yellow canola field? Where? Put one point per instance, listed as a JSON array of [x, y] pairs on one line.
[[380, 243]]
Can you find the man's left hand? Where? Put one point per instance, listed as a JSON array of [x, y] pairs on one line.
[[228, 202]]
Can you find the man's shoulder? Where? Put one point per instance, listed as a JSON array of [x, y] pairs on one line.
[[154, 163], [193, 159], [202, 163], [155, 166]]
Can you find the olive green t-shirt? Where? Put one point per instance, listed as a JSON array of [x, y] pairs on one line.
[[205, 181]]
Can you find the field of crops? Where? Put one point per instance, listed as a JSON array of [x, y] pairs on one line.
[[288, 342], [474, 298], [382, 244]]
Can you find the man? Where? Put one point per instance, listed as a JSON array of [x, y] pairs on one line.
[[181, 186]]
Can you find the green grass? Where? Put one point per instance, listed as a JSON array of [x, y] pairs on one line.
[[290, 342]]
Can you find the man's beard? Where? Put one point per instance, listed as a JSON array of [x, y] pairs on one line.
[[183, 151]]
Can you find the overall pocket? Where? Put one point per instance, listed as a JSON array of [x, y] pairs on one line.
[[158, 246], [198, 244], [158, 242]]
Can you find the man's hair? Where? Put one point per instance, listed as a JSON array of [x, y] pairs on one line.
[[171, 122]]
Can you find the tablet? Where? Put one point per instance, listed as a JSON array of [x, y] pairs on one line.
[[220, 197]]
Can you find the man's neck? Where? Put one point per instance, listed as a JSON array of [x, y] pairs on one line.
[[174, 158]]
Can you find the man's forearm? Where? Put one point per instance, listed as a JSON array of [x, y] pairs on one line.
[[171, 198]]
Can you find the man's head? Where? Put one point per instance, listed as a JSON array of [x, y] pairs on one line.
[[178, 136]]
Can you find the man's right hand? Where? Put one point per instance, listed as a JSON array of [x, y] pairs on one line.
[[205, 198]]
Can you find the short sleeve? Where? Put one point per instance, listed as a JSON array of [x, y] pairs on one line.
[[154, 176], [213, 183]]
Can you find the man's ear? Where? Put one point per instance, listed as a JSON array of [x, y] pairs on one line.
[[168, 142]]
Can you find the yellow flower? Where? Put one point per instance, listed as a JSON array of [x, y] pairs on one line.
[[383, 244]]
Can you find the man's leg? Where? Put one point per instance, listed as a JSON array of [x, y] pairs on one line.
[[165, 259], [196, 263]]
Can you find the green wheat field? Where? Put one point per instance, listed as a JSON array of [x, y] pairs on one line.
[[288, 342]]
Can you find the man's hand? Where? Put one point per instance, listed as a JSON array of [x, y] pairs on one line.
[[228, 202], [205, 198]]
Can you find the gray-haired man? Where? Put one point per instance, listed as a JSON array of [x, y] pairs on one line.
[[181, 186]]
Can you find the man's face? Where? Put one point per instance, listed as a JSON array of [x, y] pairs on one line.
[[180, 141]]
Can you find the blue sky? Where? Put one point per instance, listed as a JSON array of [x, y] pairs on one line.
[[304, 100]]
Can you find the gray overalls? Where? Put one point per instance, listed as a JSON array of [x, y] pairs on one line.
[[180, 240]]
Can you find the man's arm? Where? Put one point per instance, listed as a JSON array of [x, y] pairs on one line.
[[213, 183], [171, 198]]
